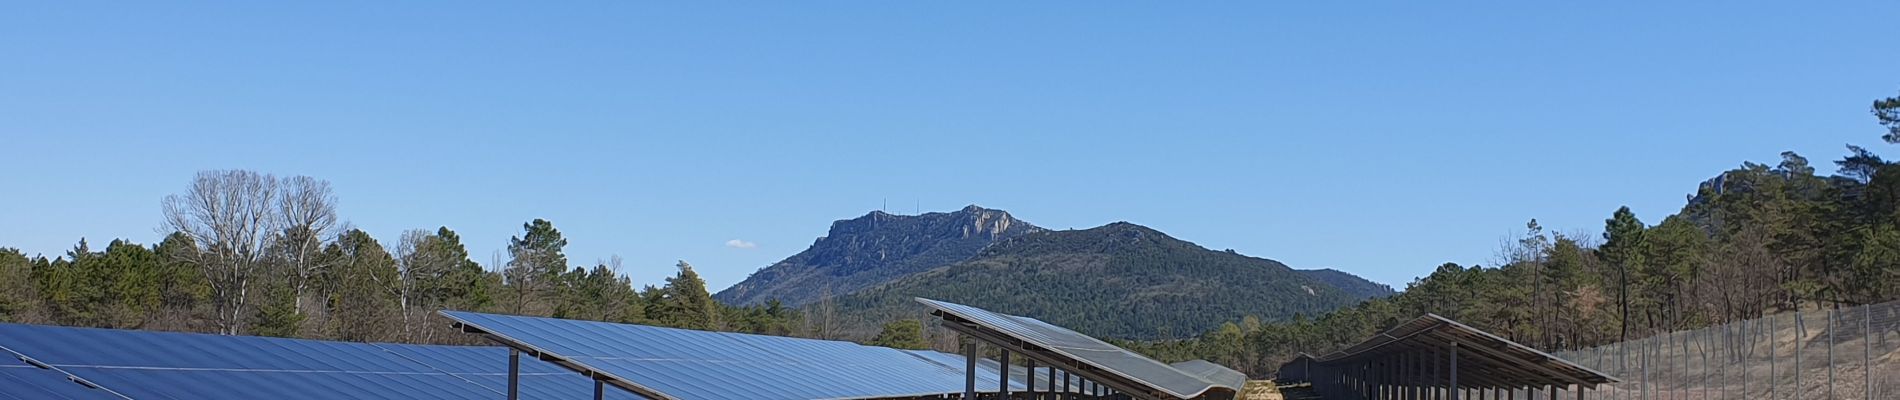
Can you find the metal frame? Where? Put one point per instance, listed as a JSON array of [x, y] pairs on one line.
[[1120, 383], [1403, 361]]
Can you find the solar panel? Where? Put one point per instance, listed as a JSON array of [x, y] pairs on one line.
[[162, 365], [1211, 372], [25, 382], [690, 364], [1084, 350]]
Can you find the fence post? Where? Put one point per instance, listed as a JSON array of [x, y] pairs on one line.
[[1748, 346], [1830, 353], [1867, 348], [1800, 339], [1683, 392], [1705, 342], [1773, 344]]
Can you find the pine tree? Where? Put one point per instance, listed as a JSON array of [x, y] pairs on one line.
[[535, 268], [133, 282], [901, 334], [184, 294], [686, 303], [1623, 249], [362, 304], [19, 300]]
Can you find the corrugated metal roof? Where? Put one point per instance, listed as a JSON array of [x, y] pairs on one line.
[[1211, 372], [691, 364], [1083, 349], [163, 365]]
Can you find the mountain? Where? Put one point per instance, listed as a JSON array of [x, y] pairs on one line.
[[873, 249], [1353, 285], [1119, 280]]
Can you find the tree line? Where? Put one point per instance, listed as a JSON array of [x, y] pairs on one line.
[[1755, 240], [253, 254]]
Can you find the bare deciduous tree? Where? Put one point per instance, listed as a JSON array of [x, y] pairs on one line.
[[230, 214], [306, 209], [411, 265]]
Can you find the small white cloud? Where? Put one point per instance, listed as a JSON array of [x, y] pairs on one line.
[[740, 244]]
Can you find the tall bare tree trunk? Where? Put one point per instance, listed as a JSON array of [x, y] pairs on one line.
[[230, 214]]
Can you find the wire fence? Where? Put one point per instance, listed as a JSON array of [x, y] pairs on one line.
[[1846, 353]]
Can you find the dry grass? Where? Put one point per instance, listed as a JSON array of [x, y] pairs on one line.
[[1260, 390]]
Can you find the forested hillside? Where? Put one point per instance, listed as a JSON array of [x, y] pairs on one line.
[[1754, 240], [255, 254], [1118, 280]]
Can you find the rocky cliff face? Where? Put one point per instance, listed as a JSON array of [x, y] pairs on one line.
[[873, 249]]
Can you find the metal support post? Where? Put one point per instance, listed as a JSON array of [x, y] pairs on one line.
[[1002, 379], [514, 373], [1453, 387], [969, 369], [1051, 381]]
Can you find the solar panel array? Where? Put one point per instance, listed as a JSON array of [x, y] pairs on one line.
[[161, 365], [691, 364], [1085, 349]]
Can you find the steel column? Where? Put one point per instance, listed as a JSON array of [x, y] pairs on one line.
[[600, 389], [1002, 380], [1454, 372], [1031, 382], [514, 373], [1065, 386], [969, 370], [1434, 394], [1052, 380]]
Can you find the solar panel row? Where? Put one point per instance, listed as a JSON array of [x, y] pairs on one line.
[[690, 364], [1084, 350], [671, 363], [161, 365]]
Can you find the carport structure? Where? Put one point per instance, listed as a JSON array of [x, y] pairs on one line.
[[1434, 357]]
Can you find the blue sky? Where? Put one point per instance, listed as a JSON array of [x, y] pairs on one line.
[[1381, 139]]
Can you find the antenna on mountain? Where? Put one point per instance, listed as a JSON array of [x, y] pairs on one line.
[[886, 208], [917, 209]]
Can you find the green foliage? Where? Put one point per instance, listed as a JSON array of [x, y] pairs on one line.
[[362, 305], [685, 303], [277, 316], [534, 271], [19, 299], [1887, 111], [902, 334], [599, 294], [184, 292]]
